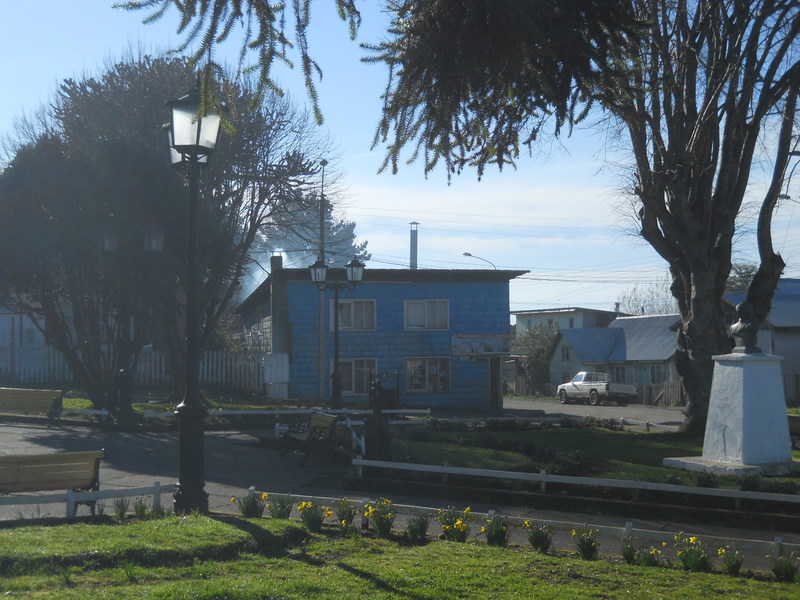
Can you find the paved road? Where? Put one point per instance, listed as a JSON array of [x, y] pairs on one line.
[[668, 418], [235, 460]]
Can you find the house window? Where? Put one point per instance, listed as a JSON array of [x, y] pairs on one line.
[[355, 374], [656, 374], [355, 315], [426, 314], [427, 375], [566, 353], [619, 374]]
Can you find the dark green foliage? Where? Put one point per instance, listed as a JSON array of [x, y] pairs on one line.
[[535, 347], [473, 81], [99, 165]]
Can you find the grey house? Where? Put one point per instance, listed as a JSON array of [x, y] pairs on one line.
[[638, 350]]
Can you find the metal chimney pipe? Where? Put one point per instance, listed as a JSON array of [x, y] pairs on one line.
[[413, 254]]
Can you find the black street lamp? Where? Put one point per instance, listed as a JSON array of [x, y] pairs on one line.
[[319, 275], [192, 138]]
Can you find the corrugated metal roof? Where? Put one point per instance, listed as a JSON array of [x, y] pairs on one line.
[[650, 337], [785, 303], [596, 345]]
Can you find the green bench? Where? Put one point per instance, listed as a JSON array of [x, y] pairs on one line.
[[76, 471], [19, 401]]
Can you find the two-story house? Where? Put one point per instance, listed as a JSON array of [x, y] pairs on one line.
[[434, 335], [563, 318]]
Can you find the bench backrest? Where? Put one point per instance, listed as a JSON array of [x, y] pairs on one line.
[[320, 425], [42, 472], [31, 402]]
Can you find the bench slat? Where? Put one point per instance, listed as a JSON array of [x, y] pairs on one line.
[[31, 402], [41, 472]]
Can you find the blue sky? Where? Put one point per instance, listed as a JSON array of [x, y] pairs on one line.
[[558, 215]]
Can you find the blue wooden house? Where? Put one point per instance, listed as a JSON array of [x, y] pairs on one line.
[[435, 337]]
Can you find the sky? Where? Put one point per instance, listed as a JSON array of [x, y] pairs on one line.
[[560, 215]]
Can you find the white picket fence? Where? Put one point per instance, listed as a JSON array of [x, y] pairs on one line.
[[253, 372]]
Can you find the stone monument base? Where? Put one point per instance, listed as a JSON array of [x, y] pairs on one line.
[[698, 463], [747, 430]]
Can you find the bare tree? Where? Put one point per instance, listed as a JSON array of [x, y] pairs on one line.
[[100, 163]]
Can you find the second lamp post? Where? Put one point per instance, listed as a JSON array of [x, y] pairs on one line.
[[319, 275], [193, 138]]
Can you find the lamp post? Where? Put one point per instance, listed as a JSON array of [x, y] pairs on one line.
[[319, 275], [193, 138], [480, 258]]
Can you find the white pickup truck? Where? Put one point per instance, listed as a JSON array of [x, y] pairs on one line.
[[595, 388]]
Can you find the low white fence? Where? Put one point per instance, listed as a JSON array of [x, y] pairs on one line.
[[542, 478], [72, 498]]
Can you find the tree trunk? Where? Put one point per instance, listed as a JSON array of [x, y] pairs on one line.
[[702, 333]]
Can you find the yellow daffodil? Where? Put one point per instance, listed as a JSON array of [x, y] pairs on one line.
[[328, 514], [264, 495], [233, 499], [526, 524]]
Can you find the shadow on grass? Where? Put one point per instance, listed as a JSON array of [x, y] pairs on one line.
[[376, 581]]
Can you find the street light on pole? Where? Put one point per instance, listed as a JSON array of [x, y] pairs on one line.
[[480, 258], [193, 138], [319, 275]]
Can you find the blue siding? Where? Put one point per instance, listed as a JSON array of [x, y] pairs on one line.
[[475, 308]]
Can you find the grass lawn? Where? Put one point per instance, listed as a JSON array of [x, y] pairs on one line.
[[227, 557], [582, 451]]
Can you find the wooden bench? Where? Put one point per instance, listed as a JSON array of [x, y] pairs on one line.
[[319, 432], [77, 471], [20, 401]]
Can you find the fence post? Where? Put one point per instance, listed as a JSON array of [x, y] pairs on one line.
[[628, 528], [444, 475], [543, 483], [70, 504], [777, 546]]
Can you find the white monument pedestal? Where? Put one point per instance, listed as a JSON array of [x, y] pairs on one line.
[[747, 430]]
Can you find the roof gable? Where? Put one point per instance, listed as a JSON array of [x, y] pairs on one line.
[[650, 337], [596, 345]]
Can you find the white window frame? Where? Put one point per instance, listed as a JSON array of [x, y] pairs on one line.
[[356, 368], [430, 317], [426, 377], [347, 311]]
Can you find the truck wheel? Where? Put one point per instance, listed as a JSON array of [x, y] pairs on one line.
[[563, 396], [594, 400]]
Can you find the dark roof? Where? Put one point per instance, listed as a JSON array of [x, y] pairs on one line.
[[649, 337], [262, 292], [596, 345]]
